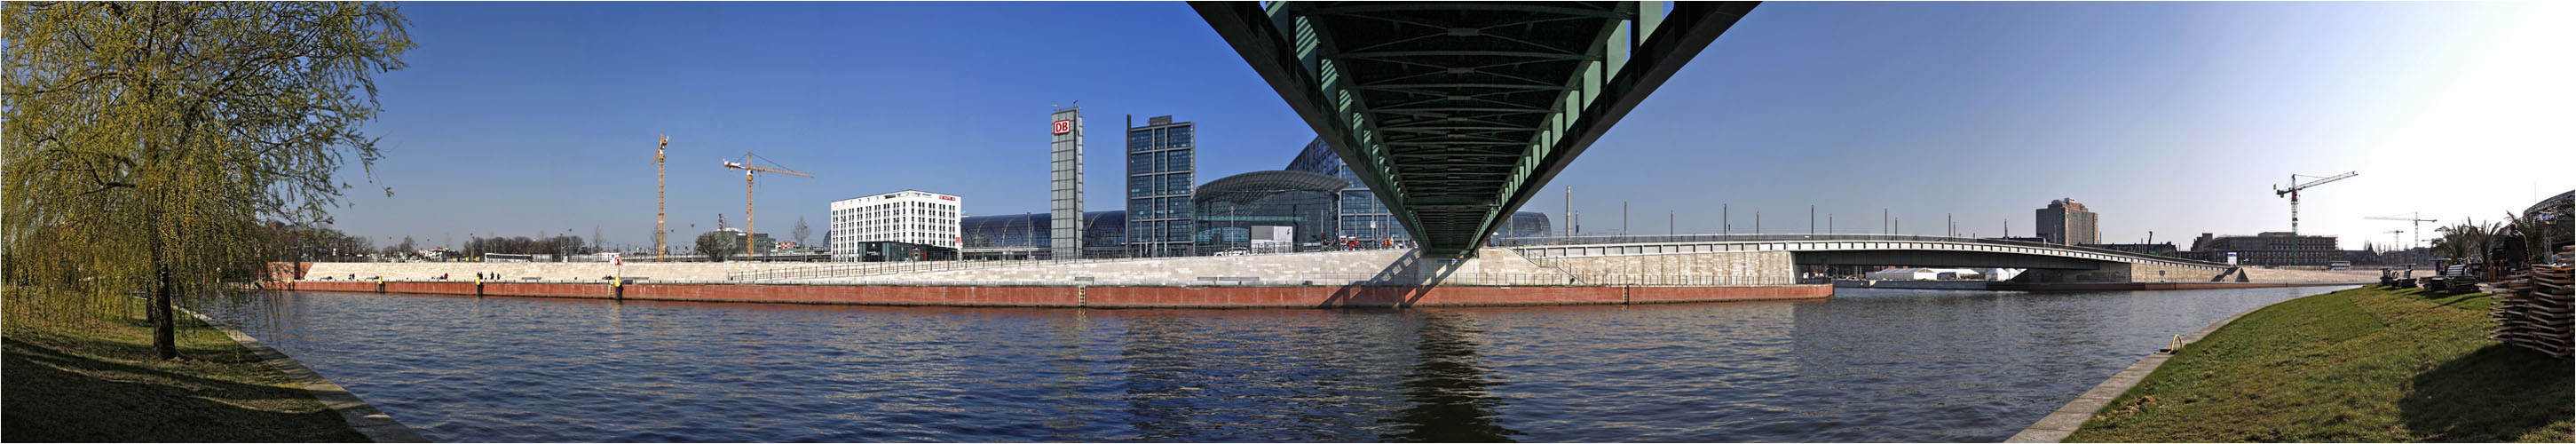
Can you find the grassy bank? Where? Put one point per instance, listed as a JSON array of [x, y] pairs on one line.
[[2361, 365], [92, 378]]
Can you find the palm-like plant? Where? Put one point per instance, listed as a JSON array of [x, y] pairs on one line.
[[2466, 240]]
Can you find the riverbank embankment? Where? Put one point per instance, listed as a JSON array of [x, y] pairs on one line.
[[1355, 279], [2363, 365], [85, 373], [1084, 296]]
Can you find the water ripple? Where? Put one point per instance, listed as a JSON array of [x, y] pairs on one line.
[[1869, 365]]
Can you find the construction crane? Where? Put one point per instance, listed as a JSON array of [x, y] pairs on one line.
[[749, 171], [2402, 253], [2417, 218], [660, 209], [2293, 193]]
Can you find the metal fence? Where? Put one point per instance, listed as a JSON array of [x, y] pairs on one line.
[[863, 269], [1816, 237], [1355, 279], [1540, 279]]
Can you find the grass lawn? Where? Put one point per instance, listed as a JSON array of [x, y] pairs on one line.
[[93, 379], [2361, 365]]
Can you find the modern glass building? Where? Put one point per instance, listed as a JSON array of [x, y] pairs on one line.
[[1267, 211], [1364, 218], [1161, 168], [1523, 224], [1025, 236]]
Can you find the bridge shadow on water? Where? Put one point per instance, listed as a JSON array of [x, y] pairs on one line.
[[1447, 390]]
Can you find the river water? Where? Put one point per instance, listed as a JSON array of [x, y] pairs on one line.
[[1867, 365]]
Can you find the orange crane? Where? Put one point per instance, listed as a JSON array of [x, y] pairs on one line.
[[749, 171], [2293, 193], [660, 209]]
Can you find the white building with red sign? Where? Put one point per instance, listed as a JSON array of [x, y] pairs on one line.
[[908, 216]]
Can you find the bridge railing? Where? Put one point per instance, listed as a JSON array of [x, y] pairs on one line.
[[1795, 237], [859, 269], [1546, 279], [1365, 280], [863, 269]]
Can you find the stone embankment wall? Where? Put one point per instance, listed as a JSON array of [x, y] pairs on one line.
[[2149, 272], [2317, 276], [1221, 296], [1378, 265], [465, 271], [1748, 267], [1386, 266]]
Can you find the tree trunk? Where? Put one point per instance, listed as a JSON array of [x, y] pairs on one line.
[[164, 329], [164, 343]]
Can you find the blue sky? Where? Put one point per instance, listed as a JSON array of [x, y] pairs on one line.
[[539, 118]]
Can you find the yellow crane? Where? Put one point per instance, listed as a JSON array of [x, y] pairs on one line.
[[748, 172], [661, 211]]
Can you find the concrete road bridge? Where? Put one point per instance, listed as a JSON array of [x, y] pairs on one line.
[[2047, 262], [1456, 113]]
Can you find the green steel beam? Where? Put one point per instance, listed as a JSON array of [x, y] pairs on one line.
[[1456, 113]]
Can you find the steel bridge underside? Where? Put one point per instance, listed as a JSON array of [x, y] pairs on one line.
[[1457, 113]]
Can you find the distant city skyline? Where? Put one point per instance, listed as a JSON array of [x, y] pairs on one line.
[[538, 119]]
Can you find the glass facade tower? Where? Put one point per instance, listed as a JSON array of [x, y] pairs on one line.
[[1162, 166]]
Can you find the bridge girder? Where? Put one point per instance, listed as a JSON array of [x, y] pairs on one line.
[[1955, 259], [1397, 88], [1860, 249]]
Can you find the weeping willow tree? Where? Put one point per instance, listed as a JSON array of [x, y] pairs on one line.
[[145, 142]]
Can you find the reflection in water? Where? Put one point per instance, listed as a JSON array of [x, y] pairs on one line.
[[1160, 374], [1448, 387], [1869, 365]]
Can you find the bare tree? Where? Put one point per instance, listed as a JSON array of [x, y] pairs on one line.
[[801, 231], [718, 245]]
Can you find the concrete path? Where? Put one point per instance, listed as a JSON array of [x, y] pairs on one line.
[[374, 423], [2063, 422]]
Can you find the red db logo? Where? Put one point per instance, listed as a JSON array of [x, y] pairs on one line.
[[1063, 126]]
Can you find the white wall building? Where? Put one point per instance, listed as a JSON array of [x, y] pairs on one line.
[[907, 216]]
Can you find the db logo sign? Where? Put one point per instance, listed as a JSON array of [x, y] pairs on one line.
[[1063, 126]]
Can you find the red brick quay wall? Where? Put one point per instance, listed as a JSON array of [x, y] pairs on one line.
[[1088, 296]]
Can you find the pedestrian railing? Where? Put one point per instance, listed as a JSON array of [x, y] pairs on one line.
[[1538, 279], [864, 269], [1522, 242], [1353, 279]]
